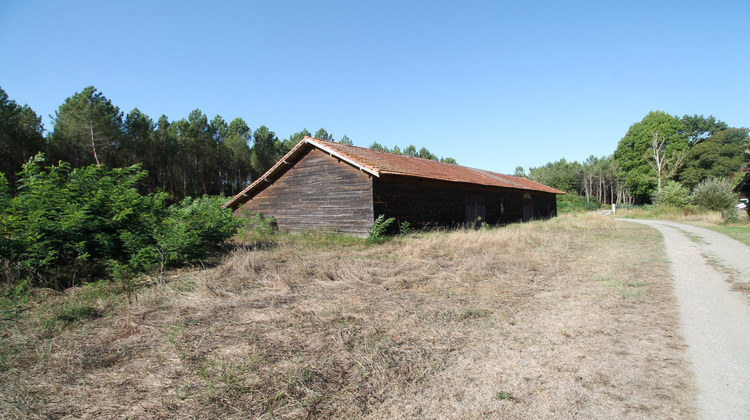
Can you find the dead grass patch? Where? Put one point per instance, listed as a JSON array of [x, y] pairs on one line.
[[675, 215], [572, 317]]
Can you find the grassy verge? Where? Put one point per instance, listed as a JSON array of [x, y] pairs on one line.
[[689, 214], [572, 317], [738, 229], [740, 232]]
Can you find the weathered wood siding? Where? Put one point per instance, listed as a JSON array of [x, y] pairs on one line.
[[424, 202], [318, 191], [545, 205]]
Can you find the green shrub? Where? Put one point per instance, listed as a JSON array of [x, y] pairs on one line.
[[192, 227], [714, 194], [730, 217], [404, 228], [673, 194], [379, 227], [67, 226], [64, 225], [260, 224], [572, 202]]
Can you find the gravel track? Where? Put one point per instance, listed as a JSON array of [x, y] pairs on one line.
[[715, 320]]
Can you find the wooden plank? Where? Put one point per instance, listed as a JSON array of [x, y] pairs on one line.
[[318, 192], [429, 202]]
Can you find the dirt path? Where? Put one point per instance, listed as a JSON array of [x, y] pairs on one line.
[[715, 320]]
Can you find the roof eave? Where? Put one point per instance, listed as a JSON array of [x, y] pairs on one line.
[[237, 200], [511, 186]]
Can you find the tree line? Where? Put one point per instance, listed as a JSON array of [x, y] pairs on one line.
[[199, 155], [190, 157], [660, 148], [412, 151]]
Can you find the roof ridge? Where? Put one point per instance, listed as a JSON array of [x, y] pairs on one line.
[[401, 156], [367, 168], [387, 153]]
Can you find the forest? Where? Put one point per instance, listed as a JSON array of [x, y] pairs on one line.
[[199, 155], [659, 151]]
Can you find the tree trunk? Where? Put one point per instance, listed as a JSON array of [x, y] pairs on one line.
[[93, 144]]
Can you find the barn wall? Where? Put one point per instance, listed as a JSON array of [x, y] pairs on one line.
[[318, 191], [545, 205], [424, 202]]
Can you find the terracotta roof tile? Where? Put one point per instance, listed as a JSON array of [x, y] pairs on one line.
[[393, 164]]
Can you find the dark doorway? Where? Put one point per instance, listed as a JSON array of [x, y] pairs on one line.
[[474, 209], [528, 207]]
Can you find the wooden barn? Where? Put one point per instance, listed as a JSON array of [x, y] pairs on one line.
[[328, 185], [743, 188]]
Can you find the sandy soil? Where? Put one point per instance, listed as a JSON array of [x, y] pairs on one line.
[[714, 318]]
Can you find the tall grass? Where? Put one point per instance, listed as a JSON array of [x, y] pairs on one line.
[[667, 212], [565, 317]]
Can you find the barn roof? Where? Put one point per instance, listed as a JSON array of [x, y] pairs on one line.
[[377, 163], [744, 185]]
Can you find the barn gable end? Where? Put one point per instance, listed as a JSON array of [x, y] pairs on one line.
[[317, 191]]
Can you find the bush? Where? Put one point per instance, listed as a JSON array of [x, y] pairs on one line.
[[404, 228], [673, 194], [572, 202], [66, 226], [730, 217], [260, 224], [379, 227], [192, 227], [714, 194]]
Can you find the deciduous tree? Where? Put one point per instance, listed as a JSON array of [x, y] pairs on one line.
[[718, 156], [633, 149], [699, 128], [665, 165]]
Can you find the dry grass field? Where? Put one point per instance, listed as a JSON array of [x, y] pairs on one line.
[[569, 318]]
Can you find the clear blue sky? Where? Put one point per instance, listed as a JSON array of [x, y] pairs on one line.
[[494, 84]]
